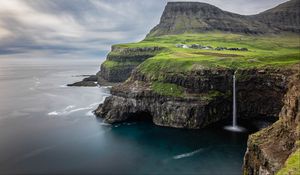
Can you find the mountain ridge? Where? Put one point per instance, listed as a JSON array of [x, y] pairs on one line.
[[195, 17]]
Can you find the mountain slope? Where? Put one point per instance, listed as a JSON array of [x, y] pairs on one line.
[[284, 17], [195, 17]]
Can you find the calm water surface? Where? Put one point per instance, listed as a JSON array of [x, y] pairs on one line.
[[48, 128]]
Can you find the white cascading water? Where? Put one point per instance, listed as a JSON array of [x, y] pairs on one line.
[[234, 104], [234, 126]]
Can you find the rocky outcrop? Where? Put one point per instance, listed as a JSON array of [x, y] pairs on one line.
[[90, 81], [194, 17], [260, 91], [269, 148], [122, 60], [134, 100], [206, 98], [116, 74], [119, 64]]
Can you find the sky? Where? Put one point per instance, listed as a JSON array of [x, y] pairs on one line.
[[88, 28]]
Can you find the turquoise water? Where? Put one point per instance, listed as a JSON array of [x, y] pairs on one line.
[[48, 128]]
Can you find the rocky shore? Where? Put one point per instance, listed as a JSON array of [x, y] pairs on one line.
[[205, 98]]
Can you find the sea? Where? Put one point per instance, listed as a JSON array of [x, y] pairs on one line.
[[47, 127]]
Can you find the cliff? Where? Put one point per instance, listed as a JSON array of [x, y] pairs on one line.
[[122, 60], [197, 99], [270, 148]]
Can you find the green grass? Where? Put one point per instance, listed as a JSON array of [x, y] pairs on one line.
[[173, 90], [116, 65], [167, 89], [273, 51], [264, 51], [292, 165]]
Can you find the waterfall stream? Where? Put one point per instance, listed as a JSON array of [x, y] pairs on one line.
[[234, 127], [233, 103]]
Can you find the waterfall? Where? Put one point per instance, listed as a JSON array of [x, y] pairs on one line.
[[233, 102], [234, 127]]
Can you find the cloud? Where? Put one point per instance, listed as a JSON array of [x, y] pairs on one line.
[[87, 28]]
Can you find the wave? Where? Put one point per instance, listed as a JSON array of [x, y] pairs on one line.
[[89, 113], [189, 154], [70, 109], [53, 113], [105, 124]]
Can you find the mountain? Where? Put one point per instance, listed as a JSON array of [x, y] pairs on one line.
[[195, 17], [285, 17]]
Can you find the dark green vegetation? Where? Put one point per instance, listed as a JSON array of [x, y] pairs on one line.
[[116, 65]]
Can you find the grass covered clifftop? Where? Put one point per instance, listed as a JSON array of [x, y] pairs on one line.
[[259, 51], [122, 60]]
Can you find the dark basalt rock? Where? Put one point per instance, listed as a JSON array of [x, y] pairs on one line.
[[90, 81], [268, 149], [259, 93], [115, 75], [133, 98]]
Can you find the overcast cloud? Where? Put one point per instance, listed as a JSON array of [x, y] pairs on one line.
[[87, 28]]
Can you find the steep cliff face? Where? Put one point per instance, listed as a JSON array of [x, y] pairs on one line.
[[169, 105], [269, 148], [121, 61], [260, 91], [194, 17], [203, 97]]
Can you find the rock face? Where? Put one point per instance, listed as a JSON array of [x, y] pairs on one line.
[[206, 99], [175, 112], [90, 81], [260, 92], [123, 61], [115, 75], [269, 148], [194, 17]]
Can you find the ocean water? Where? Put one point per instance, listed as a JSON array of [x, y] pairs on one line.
[[48, 128]]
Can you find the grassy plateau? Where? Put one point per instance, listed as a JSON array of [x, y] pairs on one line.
[[263, 51]]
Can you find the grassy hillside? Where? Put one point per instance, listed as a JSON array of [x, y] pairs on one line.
[[263, 51]]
